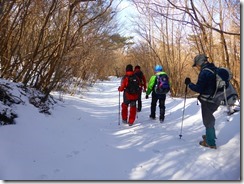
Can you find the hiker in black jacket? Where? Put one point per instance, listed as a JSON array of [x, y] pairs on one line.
[[205, 86], [143, 85]]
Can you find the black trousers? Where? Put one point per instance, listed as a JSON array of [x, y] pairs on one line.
[[155, 99], [207, 113], [139, 105], [208, 118]]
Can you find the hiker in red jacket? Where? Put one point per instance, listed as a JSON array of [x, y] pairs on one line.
[[130, 87], [143, 85]]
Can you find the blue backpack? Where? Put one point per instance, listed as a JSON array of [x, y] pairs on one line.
[[162, 85]]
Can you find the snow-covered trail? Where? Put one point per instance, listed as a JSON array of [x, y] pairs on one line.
[[82, 140]]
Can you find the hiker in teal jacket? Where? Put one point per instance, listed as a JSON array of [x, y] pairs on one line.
[[156, 97]]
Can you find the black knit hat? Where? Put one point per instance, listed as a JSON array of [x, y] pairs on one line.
[[129, 67]]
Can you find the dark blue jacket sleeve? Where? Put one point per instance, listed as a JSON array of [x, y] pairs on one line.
[[201, 83], [206, 83]]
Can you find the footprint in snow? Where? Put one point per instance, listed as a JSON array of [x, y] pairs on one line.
[[75, 152], [156, 151], [68, 156], [43, 177], [56, 170]]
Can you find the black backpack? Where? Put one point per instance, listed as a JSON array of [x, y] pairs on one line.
[[133, 86], [162, 85], [139, 74]]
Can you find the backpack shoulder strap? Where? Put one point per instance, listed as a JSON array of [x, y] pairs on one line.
[[139, 74], [209, 70]]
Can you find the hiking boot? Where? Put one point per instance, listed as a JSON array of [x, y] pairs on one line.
[[130, 124], [161, 119], [204, 137], [124, 121], [203, 143], [152, 117]]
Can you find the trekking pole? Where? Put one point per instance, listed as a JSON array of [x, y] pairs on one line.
[[183, 113], [119, 110], [229, 109]]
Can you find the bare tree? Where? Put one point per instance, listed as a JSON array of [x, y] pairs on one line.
[[45, 43], [187, 28]]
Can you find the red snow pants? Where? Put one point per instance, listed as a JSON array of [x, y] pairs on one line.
[[128, 106]]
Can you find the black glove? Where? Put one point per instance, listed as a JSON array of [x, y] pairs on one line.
[[146, 96], [187, 81]]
